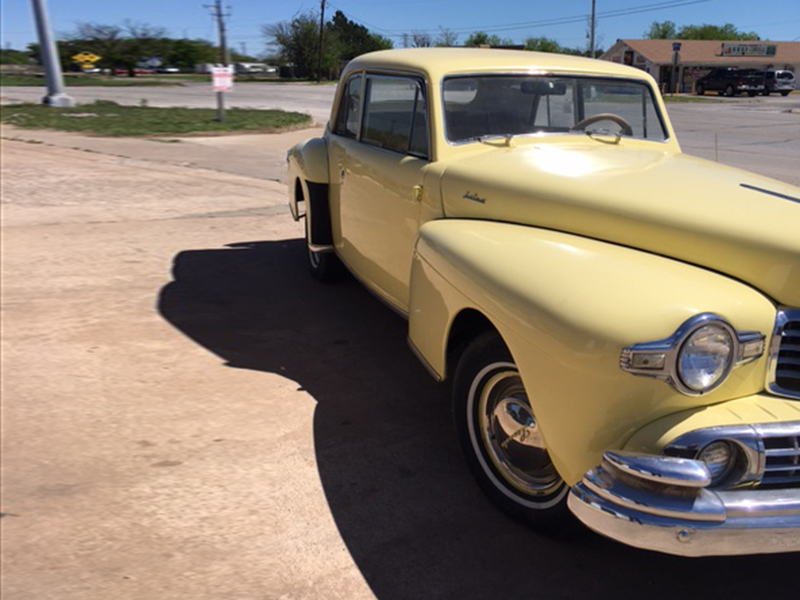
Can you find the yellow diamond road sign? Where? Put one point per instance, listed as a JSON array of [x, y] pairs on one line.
[[87, 57]]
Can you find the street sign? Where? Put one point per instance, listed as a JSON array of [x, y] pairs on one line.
[[676, 46], [222, 78], [86, 57]]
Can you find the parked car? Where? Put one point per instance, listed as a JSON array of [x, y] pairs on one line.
[[779, 81], [619, 322], [136, 71], [730, 82], [254, 69], [168, 70]]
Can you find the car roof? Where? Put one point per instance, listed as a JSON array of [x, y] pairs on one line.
[[439, 62]]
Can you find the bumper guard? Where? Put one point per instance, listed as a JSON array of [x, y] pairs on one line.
[[662, 503]]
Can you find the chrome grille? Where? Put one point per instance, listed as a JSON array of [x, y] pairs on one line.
[[784, 372], [782, 466]]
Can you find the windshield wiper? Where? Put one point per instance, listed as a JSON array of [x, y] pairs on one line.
[[604, 133], [494, 137]]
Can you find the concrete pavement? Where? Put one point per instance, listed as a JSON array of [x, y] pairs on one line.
[[253, 155], [187, 415]]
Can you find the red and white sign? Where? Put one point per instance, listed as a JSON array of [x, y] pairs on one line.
[[222, 78]]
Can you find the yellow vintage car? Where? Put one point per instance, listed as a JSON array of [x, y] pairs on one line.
[[619, 322]]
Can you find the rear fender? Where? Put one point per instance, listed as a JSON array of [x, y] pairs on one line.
[[307, 163], [566, 306]]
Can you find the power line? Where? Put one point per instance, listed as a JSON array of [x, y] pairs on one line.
[[539, 23]]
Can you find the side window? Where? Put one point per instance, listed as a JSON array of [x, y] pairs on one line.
[[395, 115], [347, 119]]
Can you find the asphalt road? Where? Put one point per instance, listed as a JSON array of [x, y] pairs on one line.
[[759, 134], [187, 415]]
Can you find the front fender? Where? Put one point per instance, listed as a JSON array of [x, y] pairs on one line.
[[308, 163], [566, 306]]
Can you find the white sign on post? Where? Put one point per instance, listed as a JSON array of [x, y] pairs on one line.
[[222, 78]]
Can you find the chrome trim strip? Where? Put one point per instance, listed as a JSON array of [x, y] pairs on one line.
[[321, 248], [784, 316], [769, 192], [424, 361]]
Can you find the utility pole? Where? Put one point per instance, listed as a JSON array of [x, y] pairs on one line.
[[591, 31], [224, 55], [52, 66], [321, 30]]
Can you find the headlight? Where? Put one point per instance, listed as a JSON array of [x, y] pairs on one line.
[[719, 457], [698, 357], [705, 358]]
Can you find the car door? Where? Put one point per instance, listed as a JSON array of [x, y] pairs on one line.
[[377, 178]]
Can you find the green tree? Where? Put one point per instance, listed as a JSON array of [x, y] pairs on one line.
[[119, 46], [663, 30], [481, 38], [354, 39], [727, 32], [186, 54], [543, 44], [9, 56], [66, 50], [298, 44]]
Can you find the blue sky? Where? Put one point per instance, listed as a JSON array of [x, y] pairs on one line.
[[777, 20]]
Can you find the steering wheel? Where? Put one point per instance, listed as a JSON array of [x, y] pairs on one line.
[[625, 127]]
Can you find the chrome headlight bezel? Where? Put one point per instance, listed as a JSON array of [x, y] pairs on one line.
[[661, 359]]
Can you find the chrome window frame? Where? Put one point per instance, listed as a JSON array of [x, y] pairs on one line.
[[417, 78], [341, 96]]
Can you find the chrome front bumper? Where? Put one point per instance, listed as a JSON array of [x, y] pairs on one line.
[[661, 503]]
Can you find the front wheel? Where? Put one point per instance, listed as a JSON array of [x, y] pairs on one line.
[[700, 90], [785, 93], [501, 438], [729, 91]]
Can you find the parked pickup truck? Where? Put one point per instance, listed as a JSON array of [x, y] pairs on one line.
[[618, 322], [731, 82]]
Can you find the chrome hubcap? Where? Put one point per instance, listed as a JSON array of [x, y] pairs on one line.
[[511, 436]]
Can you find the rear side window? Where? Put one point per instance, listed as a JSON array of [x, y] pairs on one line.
[[349, 108], [396, 115]]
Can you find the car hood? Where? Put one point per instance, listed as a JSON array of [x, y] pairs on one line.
[[693, 210]]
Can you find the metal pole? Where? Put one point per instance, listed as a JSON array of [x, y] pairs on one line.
[[224, 56], [321, 30], [52, 66], [591, 31]]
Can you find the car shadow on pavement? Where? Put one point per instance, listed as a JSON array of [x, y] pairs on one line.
[[402, 498]]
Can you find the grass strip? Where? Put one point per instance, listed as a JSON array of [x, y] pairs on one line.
[[111, 119], [85, 81]]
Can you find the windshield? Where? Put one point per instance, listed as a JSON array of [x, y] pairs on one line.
[[489, 106]]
